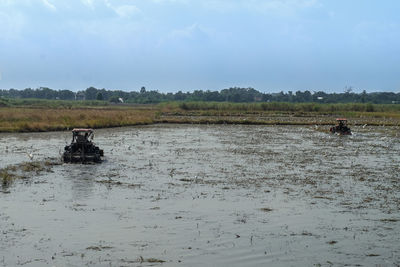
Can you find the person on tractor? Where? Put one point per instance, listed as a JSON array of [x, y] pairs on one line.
[[341, 128]]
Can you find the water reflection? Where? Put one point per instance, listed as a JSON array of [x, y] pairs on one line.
[[82, 178]]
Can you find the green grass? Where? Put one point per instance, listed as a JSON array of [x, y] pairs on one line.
[[45, 103], [283, 107]]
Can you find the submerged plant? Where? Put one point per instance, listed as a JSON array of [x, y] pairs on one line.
[[6, 177], [19, 171]]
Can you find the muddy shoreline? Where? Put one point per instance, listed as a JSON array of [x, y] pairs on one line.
[[214, 195]]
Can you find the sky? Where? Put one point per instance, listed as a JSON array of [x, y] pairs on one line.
[[172, 45]]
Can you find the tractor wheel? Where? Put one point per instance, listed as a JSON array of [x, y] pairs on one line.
[[97, 157]]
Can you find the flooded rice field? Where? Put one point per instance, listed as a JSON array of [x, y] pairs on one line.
[[206, 195]]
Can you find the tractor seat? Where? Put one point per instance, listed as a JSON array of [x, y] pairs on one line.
[[80, 139]]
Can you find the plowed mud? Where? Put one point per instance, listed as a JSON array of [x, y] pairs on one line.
[[205, 195]]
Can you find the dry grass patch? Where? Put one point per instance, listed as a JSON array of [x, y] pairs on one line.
[[46, 119]]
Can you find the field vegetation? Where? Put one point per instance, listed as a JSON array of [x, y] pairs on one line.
[[46, 103], [285, 107], [279, 113], [28, 115], [28, 119]]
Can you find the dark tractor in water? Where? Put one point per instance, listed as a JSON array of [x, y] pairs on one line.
[[82, 149], [341, 128]]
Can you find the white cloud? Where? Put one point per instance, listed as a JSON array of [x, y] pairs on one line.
[[7, 2], [193, 31], [123, 11], [221, 6], [11, 25], [88, 3], [49, 5], [126, 11], [170, 1], [276, 6], [194, 34]]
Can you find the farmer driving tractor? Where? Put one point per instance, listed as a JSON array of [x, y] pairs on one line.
[[341, 127]]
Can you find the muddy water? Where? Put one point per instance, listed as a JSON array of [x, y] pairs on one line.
[[206, 196]]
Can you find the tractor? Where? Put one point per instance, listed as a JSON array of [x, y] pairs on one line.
[[82, 149], [341, 128]]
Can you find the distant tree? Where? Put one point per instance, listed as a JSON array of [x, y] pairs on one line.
[[91, 93], [363, 96], [28, 93], [348, 89], [233, 94], [114, 99], [46, 93], [99, 96], [179, 96], [66, 95]]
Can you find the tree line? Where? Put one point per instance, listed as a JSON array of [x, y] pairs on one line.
[[233, 94]]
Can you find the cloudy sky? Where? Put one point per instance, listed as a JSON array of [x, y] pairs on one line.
[[171, 45]]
